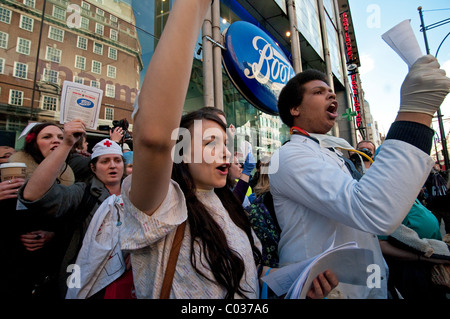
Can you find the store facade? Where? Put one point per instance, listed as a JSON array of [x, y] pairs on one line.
[[108, 44]]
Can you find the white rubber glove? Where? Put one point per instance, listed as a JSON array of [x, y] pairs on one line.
[[425, 87]]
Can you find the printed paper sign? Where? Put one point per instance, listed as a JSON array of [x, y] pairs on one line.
[[82, 102]]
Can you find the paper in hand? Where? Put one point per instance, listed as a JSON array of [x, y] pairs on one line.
[[82, 102], [402, 40]]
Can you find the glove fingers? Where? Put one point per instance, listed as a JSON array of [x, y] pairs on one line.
[[425, 61]]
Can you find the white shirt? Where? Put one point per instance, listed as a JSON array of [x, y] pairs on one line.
[[317, 201], [149, 240]]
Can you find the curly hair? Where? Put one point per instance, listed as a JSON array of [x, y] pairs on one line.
[[292, 93]]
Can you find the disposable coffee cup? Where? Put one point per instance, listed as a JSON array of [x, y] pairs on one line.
[[13, 170]]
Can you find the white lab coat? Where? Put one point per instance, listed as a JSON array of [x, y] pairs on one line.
[[317, 202]]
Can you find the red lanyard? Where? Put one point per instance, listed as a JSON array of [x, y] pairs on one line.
[[299, 130]]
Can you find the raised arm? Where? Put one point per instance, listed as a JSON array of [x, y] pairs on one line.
[[423, 91], [48, 170], [161, 102]]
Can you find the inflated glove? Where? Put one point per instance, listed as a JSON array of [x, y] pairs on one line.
[[425, 87], [249, 164]]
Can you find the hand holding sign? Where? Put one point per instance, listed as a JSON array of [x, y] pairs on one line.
[[73, 130]]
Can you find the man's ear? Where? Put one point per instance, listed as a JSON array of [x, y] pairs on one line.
[[92, 167], [295, 111]]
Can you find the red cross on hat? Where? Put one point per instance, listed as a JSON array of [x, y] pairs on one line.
[[107, 143]]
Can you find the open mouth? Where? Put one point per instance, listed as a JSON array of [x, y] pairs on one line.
[[223, 168], [332, 109]]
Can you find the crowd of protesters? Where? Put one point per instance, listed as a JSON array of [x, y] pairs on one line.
[[179, 227]]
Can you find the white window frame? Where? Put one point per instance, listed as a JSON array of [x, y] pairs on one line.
[[110, 90], [30, 3], [85, 5], [59, 14], [80, 62], [111, 72], [78, 79], [6, 39], [99, 28], [85, 23], [82, 43], [54, 105], [114, 35], [10, 97], [57, 37], [2, 66], [16, 66], [23, 44], [6, 17], [57, 54], [111, 55], [100, 12], [109, 110], [95, 84], [98, 46], [93, 70], [50, 78], [22, 24]]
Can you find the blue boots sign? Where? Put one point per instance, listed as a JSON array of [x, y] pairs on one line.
[[256, 65]]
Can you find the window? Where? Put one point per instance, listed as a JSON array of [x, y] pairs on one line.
[[112, 53], [98, 48], [59, 13], [4, 40], [51, 76], [15, 97], [53, 54], [56, 34], [111, 71], [113, 21], [82, 43], [78, 79], [23, 46], [5, 15], [80, 62], [99, 28], [26, 23], [110, 90], [95, 84], [50, 103], [100, 15], [109, 113], [84, 23], [113, 35], [96, 67], [2, 66], [20, 70], [30, 3], [85, 5]]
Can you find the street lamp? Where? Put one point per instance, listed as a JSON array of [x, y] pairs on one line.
[[439, 115]]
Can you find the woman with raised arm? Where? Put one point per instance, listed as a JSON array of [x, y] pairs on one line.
[[76, 204], [218, 252]]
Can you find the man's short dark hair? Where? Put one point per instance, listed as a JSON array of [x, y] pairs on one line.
[[292, 93]]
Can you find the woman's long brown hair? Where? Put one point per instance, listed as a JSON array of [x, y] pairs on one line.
[[226, 264]]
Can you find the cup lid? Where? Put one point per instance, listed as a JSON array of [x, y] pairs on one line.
[[5, 165]]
